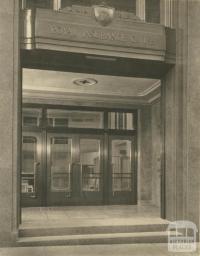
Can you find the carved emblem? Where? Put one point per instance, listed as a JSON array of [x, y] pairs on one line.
[[104, 14]]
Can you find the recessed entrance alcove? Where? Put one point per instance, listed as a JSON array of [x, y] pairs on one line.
[[91, 128], [90, 157]]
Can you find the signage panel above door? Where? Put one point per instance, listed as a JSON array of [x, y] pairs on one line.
[[77, 30]]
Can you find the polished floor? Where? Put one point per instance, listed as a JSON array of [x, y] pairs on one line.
[[93, 215]]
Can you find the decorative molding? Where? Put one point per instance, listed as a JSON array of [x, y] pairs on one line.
[[140, 9], [57, 5], [23, 4], [89, 12], [154, 98], [166, 15], [146, 97], [155, 86], [44, 98], [28, 32]]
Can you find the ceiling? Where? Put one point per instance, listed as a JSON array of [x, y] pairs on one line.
[[62, 83]]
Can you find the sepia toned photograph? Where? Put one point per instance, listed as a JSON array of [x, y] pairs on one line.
[[100, 127]]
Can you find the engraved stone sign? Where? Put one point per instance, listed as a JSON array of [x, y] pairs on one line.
[[81, 33], [77, 27]]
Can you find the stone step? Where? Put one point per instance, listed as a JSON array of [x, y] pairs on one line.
[[92, 229], [89, 239]]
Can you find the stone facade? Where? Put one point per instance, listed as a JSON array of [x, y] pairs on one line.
[[180, 119]]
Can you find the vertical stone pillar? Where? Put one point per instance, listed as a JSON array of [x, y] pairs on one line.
[[173, 91], [181, 104], [145, 152], [140, 9], [9, 119], [192, 119]]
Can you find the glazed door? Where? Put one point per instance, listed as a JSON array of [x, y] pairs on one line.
[[59, 168], [32, 170], [91, 169], [121, 170], [74, 169]]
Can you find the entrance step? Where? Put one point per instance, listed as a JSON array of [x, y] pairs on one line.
[[90, 239], [95, 231]]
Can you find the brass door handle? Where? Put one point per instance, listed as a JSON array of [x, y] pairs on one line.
[[37, 165]]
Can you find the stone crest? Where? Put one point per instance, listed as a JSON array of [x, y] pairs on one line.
[[104, 14]]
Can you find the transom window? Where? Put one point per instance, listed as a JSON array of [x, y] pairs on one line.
[[80, 119]]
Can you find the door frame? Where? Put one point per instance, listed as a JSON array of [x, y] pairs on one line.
[[75, 164], [36, 197], [48, 175], [106, 132]]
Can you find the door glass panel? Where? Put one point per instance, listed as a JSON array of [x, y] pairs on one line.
[[31, 117], [61, 158], [121, 165], [75, 119], [29, 164], [38, 4], [121, 121], [90, 163]]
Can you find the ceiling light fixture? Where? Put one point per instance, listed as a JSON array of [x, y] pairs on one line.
[[85, 82]]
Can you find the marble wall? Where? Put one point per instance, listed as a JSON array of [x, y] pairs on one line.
[[156, 152], [145, 155], [149, 172]]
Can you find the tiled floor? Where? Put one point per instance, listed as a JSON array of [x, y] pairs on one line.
[[82, 215], [95, 250]]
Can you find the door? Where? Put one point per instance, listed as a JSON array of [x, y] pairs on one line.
[[122, 170], [74, 169], [91, 169], [31, 172], [60, 149]]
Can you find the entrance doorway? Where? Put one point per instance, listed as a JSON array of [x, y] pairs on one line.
[[74, 169], [64, 166]]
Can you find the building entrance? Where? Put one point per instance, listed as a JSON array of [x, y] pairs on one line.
[[74, 169], [63, 166]]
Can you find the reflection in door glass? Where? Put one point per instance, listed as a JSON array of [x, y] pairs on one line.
[[31, 117], [121, 121], [29, 164], [90, 163], [61, 158], [121, 165]]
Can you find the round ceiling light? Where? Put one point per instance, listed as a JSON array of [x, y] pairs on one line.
[[85, 82]]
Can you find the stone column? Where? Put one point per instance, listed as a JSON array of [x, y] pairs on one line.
[[181, 118], [9, 119], [173, 85], [192, 118]]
